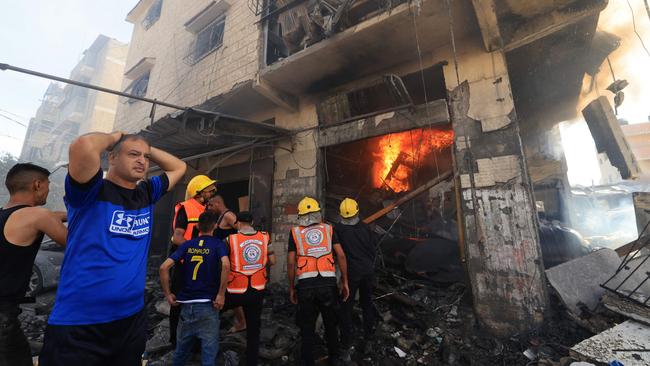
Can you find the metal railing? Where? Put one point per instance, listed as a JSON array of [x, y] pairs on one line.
[[628, 280]]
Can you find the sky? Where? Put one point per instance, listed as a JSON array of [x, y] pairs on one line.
[[50, 37]]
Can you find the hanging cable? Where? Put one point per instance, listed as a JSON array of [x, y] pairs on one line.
[[13, 120], [417, 43], [634, 26], [315, 160], [453, 39]]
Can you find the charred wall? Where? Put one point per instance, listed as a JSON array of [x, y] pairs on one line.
[[497, 207]]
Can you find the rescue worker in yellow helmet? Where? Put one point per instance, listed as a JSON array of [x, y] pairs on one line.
[[250, 254], [186, 218], [186, 214], [359, 244], [310, 259]]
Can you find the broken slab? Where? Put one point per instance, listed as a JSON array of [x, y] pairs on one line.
[[578, 281], [628, 343], [608, 137], [626, 307]]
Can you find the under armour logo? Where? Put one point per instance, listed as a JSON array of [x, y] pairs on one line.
[[136, 224], [123, 221]]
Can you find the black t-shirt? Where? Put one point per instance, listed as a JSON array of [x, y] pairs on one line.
[[16, 262], [318, 281], [358, 243]]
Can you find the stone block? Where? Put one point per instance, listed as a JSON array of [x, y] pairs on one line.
[[628, 343], [578, 281]]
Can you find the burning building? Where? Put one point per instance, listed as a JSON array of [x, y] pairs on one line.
[[441, 109]]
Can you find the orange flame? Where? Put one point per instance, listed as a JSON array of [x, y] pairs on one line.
[[409, 147]]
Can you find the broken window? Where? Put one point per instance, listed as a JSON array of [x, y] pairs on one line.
[[391, 92], [152, 15], [296, 25], [139, 86], [208, 39]]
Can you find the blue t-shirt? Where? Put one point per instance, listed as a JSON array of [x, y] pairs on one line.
[[105, 262], [201, 258]]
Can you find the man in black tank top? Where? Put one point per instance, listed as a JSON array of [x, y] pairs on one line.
[[227, 218], [22, 226]]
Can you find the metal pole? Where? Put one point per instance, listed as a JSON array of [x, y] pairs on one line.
[[5, 67]]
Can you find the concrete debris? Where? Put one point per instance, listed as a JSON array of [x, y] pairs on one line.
[[627, 308], [163, 307], [628, 343], [159, 342], [230, 358], [530, 354], [399, 352], [577, 282]]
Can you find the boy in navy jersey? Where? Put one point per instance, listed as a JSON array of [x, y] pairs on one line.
[[98, 316], [205, 275]]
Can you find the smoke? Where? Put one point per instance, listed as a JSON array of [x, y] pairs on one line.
[[629, 62], [605, 215]]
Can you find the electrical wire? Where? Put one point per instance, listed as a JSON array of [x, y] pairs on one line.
[[313, 134], [13, 114], [634, 25], [453, 39], [13, 120], [11, 137], [417, 43]]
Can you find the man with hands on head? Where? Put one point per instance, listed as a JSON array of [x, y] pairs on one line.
[[205, 276], [98, 316]]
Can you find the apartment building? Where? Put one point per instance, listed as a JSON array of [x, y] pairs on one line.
[[373, 100], [68, 111]]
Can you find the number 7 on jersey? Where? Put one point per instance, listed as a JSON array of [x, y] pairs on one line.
[[199, 260]]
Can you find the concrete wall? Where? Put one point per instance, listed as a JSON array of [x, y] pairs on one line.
[[295, 176], [172, 77], [501, 235]]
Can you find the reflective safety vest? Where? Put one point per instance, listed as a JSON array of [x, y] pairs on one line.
[[248, 257], [314, 251], [193, 209]]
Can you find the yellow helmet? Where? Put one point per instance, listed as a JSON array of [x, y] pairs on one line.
[[348, 208], [197, 184], [308, 205]]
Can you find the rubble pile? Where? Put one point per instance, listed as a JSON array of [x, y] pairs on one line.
[[429, 323], [421, 321]]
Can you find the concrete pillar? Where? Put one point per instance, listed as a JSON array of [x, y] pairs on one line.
[[502, 249], [294, 178]]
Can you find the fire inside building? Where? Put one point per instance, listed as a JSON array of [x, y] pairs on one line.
[[444, 119]]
